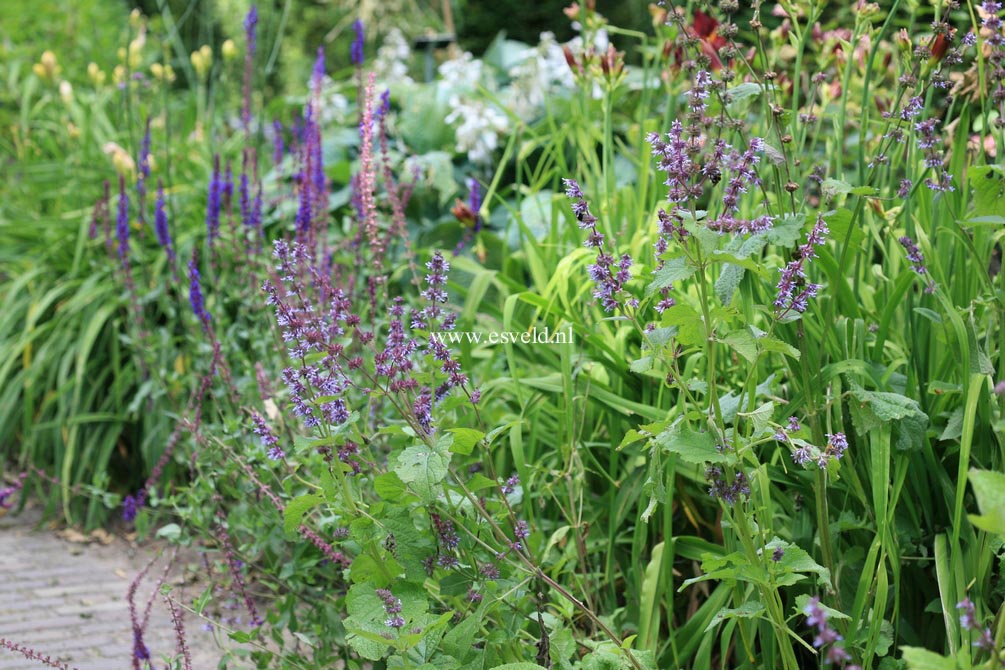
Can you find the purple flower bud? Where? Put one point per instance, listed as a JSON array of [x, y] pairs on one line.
[[356, 50], [195, 292]]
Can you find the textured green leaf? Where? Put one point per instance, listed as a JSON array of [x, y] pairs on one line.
[[690, 327], [295, 510], [465, 440], [875, 408], [423, 467], [747, 610], [988, 183], [389, 486], [743, 343], [674, 270], [690, 445]]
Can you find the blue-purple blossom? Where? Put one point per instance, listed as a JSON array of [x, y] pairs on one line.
[[608, 273], [510, 485], [318, 74], [392, 606], [278, 147], [161, 226], [262, 429], [143, 165], [475, 202], [213, 203], [727, 491], [917, 260], [794, 292], [356, 50], [777, 554], [195, 292], [251, 38], [132, 504], [122, 224]]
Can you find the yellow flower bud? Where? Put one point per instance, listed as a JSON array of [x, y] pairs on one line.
[[168, 73], [72, 130], [66, 91], [207, 54], [95, 74], [135, 18], [228, 49], [121, 53], [47, 68], [123, 162], [157, 70], [119, 74], [136, 52]]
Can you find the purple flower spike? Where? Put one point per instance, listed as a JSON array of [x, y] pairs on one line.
[[213, 203], [195, 292], [794, 292], [122, 224], [251, 38], [356, 51]]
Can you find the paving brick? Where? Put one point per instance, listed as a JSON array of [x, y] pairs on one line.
[[68, 601]]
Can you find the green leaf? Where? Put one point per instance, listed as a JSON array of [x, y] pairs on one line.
[[747, 610], [989, 488], [519, 666], [922, 659], [424, 467], [743, 343], [691, 446], [839, 221], [465, 440], [833, 187], [875, 408], [690, 327], [480, 482], [171, 531], [389, 486], [740, 97], [988, 183], [803, 600], [641, 365], [295, 510], [674, 270]]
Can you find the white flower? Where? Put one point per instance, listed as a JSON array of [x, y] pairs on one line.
[[391, 64], [461, 73], [479, 129]]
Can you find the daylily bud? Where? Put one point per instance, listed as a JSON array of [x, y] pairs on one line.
[[95, 74], [228, 49], [66, 91]]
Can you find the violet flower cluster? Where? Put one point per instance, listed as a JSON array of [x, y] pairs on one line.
[[728, 491], [969, 622], [356, 50], [794, 291], [917, 260], [991, 22], [826, 639], [837, 444], [392, 607], [609, 273]]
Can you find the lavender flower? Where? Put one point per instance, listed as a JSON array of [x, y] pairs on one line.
[[837, 443], [917, 260], [728, 492], [793, 424], [510, 484], [278, 147], [826, 636], [777, 554], [122, 224], [195, 292], [968, 617], [794, 291], [475, 202], [392, 606], [609, 274], [269, 440], [356, 50], [131, 505], [161, 228], [250, 33], [213, 203], [143, 165], [905, 188]]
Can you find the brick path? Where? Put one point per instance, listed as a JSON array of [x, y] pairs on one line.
[[68, 600]]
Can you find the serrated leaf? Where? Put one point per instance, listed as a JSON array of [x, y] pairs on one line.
[[743, 343], [295, 510], [760, 417], [641, 365], [690, 327], [988, 183], [747, 610], [389, 486], [878, 407], [787, 231], [674, 270], [465, 440], [690, 445], [424, 467]]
